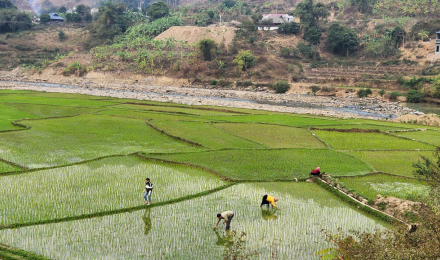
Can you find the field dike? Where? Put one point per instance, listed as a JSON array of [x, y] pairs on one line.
[[174, 137], [360, 205], [11, 253]]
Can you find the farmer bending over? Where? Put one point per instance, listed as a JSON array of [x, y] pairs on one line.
[[316, 172], [227, 217], [269, 199]]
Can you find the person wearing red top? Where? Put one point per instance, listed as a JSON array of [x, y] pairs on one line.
[[316, 172]]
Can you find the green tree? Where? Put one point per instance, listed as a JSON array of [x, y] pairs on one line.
[[414, 96], [207, 46], [340, 39], [12, 21], [158, 10], [312, 35], [244, 59], [203, 19], [363, 5], [398, 36], [62, 9], [44, 18], [289, 28], [109, 23], [310, 14], [73, 18], [6, 4], [229, 3], [281, 86], [256, 17]]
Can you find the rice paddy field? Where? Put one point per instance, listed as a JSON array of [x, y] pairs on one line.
[[73, 169]]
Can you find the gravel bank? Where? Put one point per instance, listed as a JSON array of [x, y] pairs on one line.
[[347, 107]]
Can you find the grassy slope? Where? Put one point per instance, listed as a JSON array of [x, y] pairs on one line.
[[274, 136], [368, 141], [284, 164]]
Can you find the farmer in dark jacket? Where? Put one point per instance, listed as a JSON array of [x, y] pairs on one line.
[[148, 190]]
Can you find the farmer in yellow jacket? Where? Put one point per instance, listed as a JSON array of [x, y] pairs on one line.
[[269, 199]]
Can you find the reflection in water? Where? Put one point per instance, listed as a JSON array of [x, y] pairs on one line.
[[147, 220], [223, 240], [268, 214]]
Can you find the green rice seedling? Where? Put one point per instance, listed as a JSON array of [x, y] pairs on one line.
[[146, 115], [9, 114], [368, 141], [102, 185], [372, 185], [25, 98], [194, 110], [282, 164], [205, 134], [390, 124], [429, 136], [68, 95], [5, 167], [396, 162], [361, 126], [184, 230], [273, 136], [49, 110], [67, 140], [10, 91], [278, 119]]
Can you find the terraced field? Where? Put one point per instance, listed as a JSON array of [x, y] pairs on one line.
[[72, 170]]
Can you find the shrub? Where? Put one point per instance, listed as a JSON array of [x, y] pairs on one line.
[[394, 95], [289, 28], [281, 86], [158, 10], [244, 59], [247, 83], [307, 50], [315, 89], [381, 92], [285, 52], [207, 46], [44, 18], [364, 92], [74, 68], [414, 96], [213, 82], [61, 35], [341, 39], [312, 35]]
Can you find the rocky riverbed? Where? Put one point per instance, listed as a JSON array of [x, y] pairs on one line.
[[346, 107]]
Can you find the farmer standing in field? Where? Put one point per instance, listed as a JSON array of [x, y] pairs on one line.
[[227, 217], [148, 190], [269, 199]]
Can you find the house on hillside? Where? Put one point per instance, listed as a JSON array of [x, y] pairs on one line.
[[272, 21], [55, 18]]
